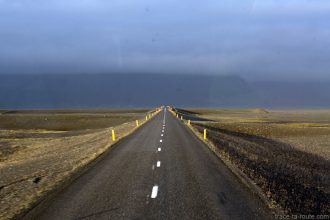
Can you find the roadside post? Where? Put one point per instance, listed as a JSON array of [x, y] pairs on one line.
[[204, 134], [146, 117], [137, 123], [188, 122], [181, 118], [113, 135]]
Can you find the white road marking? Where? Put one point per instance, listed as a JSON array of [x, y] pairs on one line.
[[158, 163], [162, 130], [159, 149], [153, 167], [164, 116], [160, 140], [154, 192], [162, 135]]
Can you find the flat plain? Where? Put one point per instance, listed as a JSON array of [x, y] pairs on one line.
[[284, 152], [40, 149]]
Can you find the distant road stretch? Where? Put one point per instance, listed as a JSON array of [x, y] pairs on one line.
[[162, 171]]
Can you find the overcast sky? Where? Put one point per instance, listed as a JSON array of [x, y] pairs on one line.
[[264, 38]]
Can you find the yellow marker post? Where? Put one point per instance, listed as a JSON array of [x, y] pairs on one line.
[[137, 123], [181, 118], [113, 135], [204, 134], [146, 117], [188, 122]]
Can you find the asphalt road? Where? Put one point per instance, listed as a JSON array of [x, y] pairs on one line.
[[158, 172]]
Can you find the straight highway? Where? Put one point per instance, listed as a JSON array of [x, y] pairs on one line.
[[161, 171]]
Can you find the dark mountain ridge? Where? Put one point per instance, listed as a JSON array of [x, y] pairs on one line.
[[35, 91]]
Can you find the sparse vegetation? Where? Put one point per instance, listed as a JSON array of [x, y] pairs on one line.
[[287, 157], [36, 155], [66, 120]]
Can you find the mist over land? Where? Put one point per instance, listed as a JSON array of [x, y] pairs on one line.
[[30, 91], [246, 53]]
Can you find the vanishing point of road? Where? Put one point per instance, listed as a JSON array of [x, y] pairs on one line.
[[161, 171]]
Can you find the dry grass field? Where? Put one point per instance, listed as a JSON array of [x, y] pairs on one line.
[[41, 149], [285, 152]]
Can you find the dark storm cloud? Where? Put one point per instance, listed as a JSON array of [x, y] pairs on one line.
[[269, 39]]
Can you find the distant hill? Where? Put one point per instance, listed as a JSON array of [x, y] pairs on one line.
[[300, 94], [147, 90]]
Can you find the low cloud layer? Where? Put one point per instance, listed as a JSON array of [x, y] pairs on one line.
[[269, 39]]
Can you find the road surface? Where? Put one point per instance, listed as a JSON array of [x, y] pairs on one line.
[[161, 171]]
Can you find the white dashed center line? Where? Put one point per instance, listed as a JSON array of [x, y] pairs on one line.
[[159, 149], [154, 192], [158, 163], [160, 140], [162, 135]]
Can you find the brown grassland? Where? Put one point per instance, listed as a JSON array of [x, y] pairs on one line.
[[285, 152], [41, 149]]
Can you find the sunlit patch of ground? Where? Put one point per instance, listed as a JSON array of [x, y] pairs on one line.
[[285, 152], [307, 130], [36, 159]]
